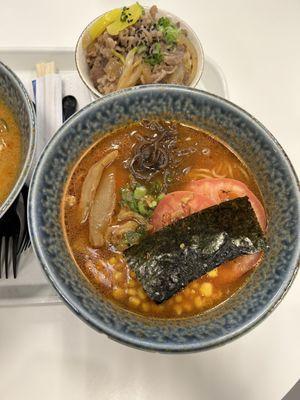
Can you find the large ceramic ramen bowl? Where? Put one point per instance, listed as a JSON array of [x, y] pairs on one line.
[[14, 95], [246, 136]]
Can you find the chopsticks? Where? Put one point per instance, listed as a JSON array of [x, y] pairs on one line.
[[48, 97], [43, 69]]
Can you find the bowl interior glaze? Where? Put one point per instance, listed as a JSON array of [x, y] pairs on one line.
[[14, 95], [248, 138]]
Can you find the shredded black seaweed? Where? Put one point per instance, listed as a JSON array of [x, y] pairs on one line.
[[156, 152]]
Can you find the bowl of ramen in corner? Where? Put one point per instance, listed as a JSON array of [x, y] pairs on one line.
[[166, 218], [138, 45], [17, 136]]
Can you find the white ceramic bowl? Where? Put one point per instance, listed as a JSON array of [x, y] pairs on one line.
[[83, 69]]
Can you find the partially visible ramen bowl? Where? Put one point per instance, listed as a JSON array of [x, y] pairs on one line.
[[84, 70], [248, 138], [16, 101]]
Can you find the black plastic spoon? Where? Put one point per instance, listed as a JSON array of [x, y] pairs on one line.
[[69, 107]]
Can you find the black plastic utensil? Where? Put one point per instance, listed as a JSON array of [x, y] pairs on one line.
[[24, 242], [69, 107], [14, 235]]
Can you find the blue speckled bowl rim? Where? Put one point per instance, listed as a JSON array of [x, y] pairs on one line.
[[31, 143], [121, 337]]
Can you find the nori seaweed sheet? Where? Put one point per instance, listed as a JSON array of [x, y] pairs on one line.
[[169, 259]]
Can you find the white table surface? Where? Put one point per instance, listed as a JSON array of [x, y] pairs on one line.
[[47, 352]]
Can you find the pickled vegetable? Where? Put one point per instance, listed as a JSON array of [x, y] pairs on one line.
[[128, 17], [99, 26]]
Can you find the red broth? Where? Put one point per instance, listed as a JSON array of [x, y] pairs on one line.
[[105, 267], [10, 151]]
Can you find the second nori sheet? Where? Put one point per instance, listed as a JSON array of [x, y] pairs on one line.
[[168, 260]]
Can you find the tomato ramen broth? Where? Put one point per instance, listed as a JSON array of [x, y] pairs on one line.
[[10, 151], [198, 157]]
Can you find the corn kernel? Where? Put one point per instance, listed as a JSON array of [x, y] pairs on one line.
[[119, 293], [132, 274], [178, 298], [131, 292], [131, 283], [119, 267], [187, 307], [206, 289], [134, 301], [178, 309], [195, 285], [160, 307], [71, 200], [198, 302], [213, 273], [112, 260], [146, 307], [118, 276], [141, 293]]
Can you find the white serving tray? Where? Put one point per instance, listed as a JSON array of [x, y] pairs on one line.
[[31, 286]]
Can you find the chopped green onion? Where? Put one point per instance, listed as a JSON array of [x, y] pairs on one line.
[[160, 196], [163, 22], [142, 208], [169, 29], [153, 204], [141, 49], [156, 57], [139, 192], [142, 199]]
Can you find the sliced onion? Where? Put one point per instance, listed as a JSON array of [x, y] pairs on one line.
[[135, 76], [161, 76], [91, 183], [102, 208], [146, 76], [127, 70], [177, 76]]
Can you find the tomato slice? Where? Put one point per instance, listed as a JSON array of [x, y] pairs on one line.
[[219, 190], [205, 193], [177, 205], [232, 270]]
